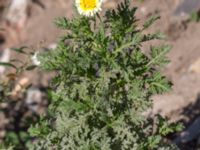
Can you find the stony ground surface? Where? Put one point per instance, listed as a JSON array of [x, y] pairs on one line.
[[182, 103]]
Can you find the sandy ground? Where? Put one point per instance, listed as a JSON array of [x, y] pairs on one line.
[[184, 38]]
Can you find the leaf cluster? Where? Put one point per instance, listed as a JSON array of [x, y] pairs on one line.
[[104, 85]]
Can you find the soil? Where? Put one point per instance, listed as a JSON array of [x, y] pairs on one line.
[[181, 104]]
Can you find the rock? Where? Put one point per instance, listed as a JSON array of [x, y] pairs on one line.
[[35, 100], [20, 86], [187, 7], [52, 46], [4, 57], [143, 10], [191, 133], [4, 121], [16, 18], [35, 60], [17, 13], [195, 67]]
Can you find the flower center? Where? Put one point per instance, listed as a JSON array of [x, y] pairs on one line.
[[88, 4]]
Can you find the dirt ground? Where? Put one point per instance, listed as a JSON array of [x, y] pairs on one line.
[[183, 70], [182, 103], [182, 35]]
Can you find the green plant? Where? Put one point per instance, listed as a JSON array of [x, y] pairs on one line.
[[104, 85], [195, 16], [3, 147]]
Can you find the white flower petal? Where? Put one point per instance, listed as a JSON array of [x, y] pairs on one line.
[[88, 12], [35, 59]]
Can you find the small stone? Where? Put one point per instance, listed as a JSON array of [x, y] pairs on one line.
[[35, 60], [4, 57], [191, 133], [52, 46], [22, 84], [143, 10], [187, 7], [17, 13], [195, 67], [35, 100]]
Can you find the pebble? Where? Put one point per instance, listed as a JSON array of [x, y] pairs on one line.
[[187, 7], [35, 100], [191, 133], [4, 57], [195, 67]]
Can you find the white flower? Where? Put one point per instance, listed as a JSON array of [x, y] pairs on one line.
[[88, 7], [35, 59]]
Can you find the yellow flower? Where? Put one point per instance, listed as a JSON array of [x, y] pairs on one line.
[[88, 7]]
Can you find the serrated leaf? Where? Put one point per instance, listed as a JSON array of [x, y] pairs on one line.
[[5, 64], [158, 55], [150, 21], [32, 67], [34, 131], [155, 36], [158, 84], [20, 50], [62, 23]]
